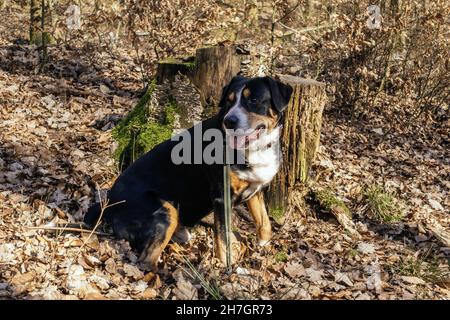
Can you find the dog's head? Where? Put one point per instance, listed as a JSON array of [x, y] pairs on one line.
[[252, 108]]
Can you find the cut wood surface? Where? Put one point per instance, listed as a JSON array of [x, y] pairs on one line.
[[169, 68]]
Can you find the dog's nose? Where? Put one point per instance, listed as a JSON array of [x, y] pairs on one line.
[[230, 122]]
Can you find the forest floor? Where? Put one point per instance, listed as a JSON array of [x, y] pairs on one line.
[[55, 147]]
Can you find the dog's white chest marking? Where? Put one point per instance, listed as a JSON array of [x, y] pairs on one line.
[[264, 157]]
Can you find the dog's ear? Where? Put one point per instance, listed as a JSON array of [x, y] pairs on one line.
[[226, 91], [280, 92]]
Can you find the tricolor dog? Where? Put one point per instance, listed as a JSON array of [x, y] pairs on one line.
[[157, 199]]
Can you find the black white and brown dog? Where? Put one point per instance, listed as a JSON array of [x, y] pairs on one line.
[[157, 199]]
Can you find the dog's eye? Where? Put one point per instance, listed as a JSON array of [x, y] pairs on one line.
[[253, 100]]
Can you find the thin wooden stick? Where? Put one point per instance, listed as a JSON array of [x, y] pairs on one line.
[[227, 211], [103, 206], [68, 229]]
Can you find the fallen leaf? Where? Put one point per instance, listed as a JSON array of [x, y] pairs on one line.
[[366, 248], [294, 269], [23, 278], [94, 296], [149, 293], [100, 282], [363, 296], [412, 280], [242, 271], [139, 287], [343, 278], [110, 266], [314, 275], [435, 204], [133, 271], [104, 89], [378, 131], [185, 290]]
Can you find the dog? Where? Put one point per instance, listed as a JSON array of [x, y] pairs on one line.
[[155, 200]]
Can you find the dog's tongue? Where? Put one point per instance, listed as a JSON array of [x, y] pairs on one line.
[[238, 142]]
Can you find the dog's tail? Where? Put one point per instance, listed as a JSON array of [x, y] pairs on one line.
[[92, 215]]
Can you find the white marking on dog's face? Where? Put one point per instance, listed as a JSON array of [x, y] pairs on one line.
[[238, 111]]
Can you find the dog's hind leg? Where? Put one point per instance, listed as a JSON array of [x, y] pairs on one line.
[[166, 222]]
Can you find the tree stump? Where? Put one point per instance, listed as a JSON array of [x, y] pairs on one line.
[[299, 139], [214, 68], [210, 70]]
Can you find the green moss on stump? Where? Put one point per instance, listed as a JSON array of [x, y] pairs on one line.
[[188, 64], [328, 201], [277, 214], [37, 39], [136, 134]]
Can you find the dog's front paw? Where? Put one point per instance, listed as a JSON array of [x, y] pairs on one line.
[[264, 235]]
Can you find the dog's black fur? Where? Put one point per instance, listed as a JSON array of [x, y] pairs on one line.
[[153, 185]]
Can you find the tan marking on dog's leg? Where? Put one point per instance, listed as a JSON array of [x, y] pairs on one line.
[[258, 211], [152, 253], [237, 185]]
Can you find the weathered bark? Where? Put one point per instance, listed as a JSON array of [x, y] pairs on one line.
[[44, 36], [34, 20], [299, 139], [214, 68], [41, 26]]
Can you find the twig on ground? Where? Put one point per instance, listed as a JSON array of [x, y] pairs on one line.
[[68, 229]]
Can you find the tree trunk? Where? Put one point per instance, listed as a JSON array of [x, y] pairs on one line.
[[34, 20], [41, 25], [44, 36], [299, 139]]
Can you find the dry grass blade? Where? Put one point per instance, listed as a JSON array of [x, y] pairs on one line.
[[383, 205], [195, 274]]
